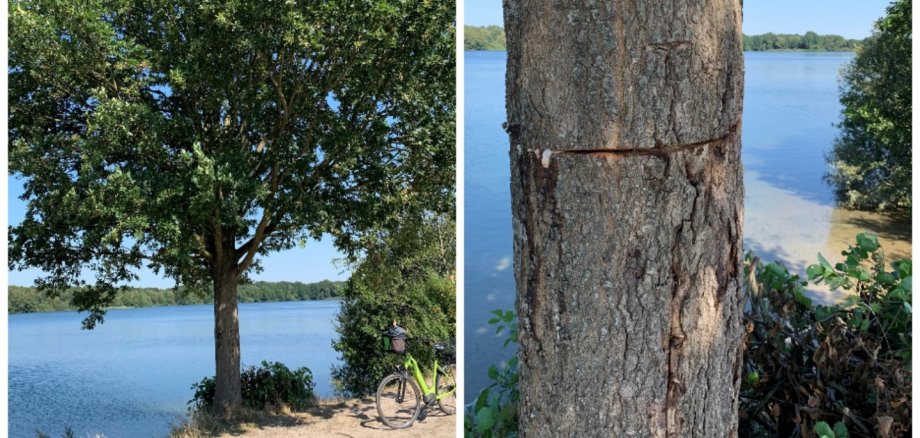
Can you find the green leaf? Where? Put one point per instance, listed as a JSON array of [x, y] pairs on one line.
[[840, 430], [867, 242], [801, 298], [482, 399], [509, 316], [904, 268], [824, 263], [824, 430], [493, 372], [885, 279], [485, 418], [814, 271]]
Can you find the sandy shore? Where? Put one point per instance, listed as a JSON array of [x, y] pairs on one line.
[[351, 418]]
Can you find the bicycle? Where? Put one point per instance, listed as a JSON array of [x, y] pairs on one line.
[[401, 394]]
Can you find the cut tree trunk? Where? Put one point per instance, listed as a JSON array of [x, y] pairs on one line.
[[228, 395], [625, 126]]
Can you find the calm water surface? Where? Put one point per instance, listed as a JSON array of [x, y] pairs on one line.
[[131, 376], [790, 106]]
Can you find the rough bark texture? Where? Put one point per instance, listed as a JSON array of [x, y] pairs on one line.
[[228, 395], [627, 194]]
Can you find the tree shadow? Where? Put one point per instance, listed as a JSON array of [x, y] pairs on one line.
[[892, 227]]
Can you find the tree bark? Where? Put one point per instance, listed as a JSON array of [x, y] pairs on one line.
[[624, 119], [228, 394]]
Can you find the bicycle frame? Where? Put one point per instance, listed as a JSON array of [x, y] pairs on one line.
[[412, 365]]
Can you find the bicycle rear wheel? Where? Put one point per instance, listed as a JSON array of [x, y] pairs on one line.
[[447, 383], [399, 401]]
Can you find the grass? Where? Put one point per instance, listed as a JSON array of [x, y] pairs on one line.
[[202, 424]]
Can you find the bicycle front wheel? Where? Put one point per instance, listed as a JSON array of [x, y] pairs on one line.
[[447, 389], [399, 401]]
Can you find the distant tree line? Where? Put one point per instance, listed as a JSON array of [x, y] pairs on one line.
[[28, 299], [809, 41], [493, 38], [484, 38]]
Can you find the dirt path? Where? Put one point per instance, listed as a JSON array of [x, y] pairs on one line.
[[350, 418]]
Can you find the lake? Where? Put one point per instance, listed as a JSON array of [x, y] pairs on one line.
[[790, 106], [132, 376]]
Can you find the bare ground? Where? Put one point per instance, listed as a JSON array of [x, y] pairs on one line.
[[349, 418]]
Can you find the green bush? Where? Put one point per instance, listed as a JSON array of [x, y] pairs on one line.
[[406, 276], [270, 386], [848, 363], [494, 413]]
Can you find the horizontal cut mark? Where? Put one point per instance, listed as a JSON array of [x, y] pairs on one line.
[[656, 152]]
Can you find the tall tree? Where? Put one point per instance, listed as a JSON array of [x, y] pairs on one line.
[[624, 120], [871, 159], [193, 137]]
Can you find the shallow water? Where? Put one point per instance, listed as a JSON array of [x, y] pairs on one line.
[[790, 213], [131, 376]]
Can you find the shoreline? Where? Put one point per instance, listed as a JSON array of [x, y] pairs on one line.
[[746, 51], [174, 305]]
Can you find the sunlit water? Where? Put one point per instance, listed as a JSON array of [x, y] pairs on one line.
[[131, 376], [790, 106]]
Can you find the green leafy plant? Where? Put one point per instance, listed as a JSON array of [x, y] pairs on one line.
[[806, 365], [823, 430], [270, 386], [494, 413], [871, 159]]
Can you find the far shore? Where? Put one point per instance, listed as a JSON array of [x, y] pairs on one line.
[[746, 51], [173, 305]]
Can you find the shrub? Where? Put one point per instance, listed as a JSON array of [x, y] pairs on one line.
[[806, 366], [494, 413], [270, 386]]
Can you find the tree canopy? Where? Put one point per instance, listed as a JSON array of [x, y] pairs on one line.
[[871, 159], [191, 137]]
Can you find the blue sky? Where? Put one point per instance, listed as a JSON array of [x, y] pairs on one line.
[[314, 262], [849, 18]]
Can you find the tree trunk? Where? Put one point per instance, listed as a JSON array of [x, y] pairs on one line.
[[624, 119], [228, 396]]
